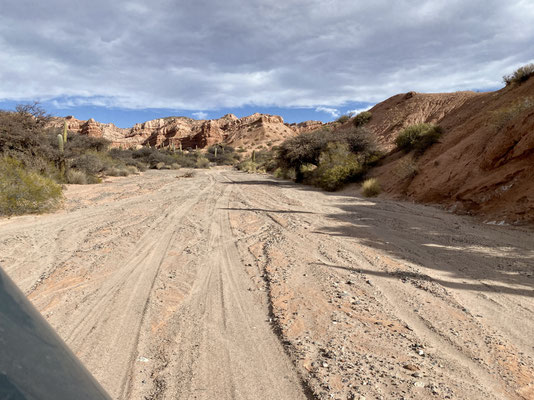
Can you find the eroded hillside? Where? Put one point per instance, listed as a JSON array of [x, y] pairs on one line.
[[483, 163]]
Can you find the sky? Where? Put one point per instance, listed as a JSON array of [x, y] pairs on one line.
[[131, 61]]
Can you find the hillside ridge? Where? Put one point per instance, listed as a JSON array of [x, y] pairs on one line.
[[484, 162]]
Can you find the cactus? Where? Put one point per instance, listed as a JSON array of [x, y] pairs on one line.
[[181, 147], [216, 147], [65, 132], [253, 156], [60, 143]]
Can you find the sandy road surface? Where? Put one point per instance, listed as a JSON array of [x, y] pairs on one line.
[[235, 286]]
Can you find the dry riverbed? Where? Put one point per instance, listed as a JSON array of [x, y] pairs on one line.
[[225, 285]]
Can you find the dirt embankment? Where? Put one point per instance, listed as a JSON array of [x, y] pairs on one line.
[[234, 286], [484, 162]]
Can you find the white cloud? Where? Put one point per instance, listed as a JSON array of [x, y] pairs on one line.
[[200, 115], [205, 55], [328, 110]]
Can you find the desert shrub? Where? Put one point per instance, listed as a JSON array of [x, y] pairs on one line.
[[259, 161], [343, 119], [79, 144], [158, 157], [337, 166], [303, 149], [143, 152], [520, 75], [371, 187], [76, 177], [358, 139], [90, 163], [202, 162], [418, 137], [362, 118], [23, 191], [226, 155], [247, 166], [117, 171], [283, 173]]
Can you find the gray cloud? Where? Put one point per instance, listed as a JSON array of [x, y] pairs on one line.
[[208, 54]]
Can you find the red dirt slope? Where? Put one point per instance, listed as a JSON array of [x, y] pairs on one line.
[[484, 163]]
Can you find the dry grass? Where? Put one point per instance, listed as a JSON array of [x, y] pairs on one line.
[[371, 187]]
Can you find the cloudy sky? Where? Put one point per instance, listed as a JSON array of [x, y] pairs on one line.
[[129, 61]]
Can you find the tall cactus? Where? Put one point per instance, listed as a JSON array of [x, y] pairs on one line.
[[65, 132], [181, 147], [61, 147], [253, 156], [60, 143], [216, 147]]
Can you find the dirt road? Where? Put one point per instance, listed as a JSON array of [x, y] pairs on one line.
[[232, 286]]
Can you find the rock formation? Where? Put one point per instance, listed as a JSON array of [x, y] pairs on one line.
[[253, 132]]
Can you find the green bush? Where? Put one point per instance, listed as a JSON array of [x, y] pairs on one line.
[[247, 166], [283, 173], [371, 187], [90, 163], [76, 177], [202, 162], [418, 137], [260, 161], [23, 191], [343, 119], [305, 148], [117, 171], [520, 75], [226, 155], [337, 166], [362, 118]]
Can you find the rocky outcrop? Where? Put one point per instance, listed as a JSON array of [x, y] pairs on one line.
[[306, 126], [91, 128], [252, 132]]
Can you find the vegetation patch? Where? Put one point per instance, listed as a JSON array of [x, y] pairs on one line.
[[23, 191], [337, 166], [362, 118], [222, 154], [519, 76], [343, 119], [418, 137], [325, 158], [371, 187]]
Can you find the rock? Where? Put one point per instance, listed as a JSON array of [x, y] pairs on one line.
[[247, 132]]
